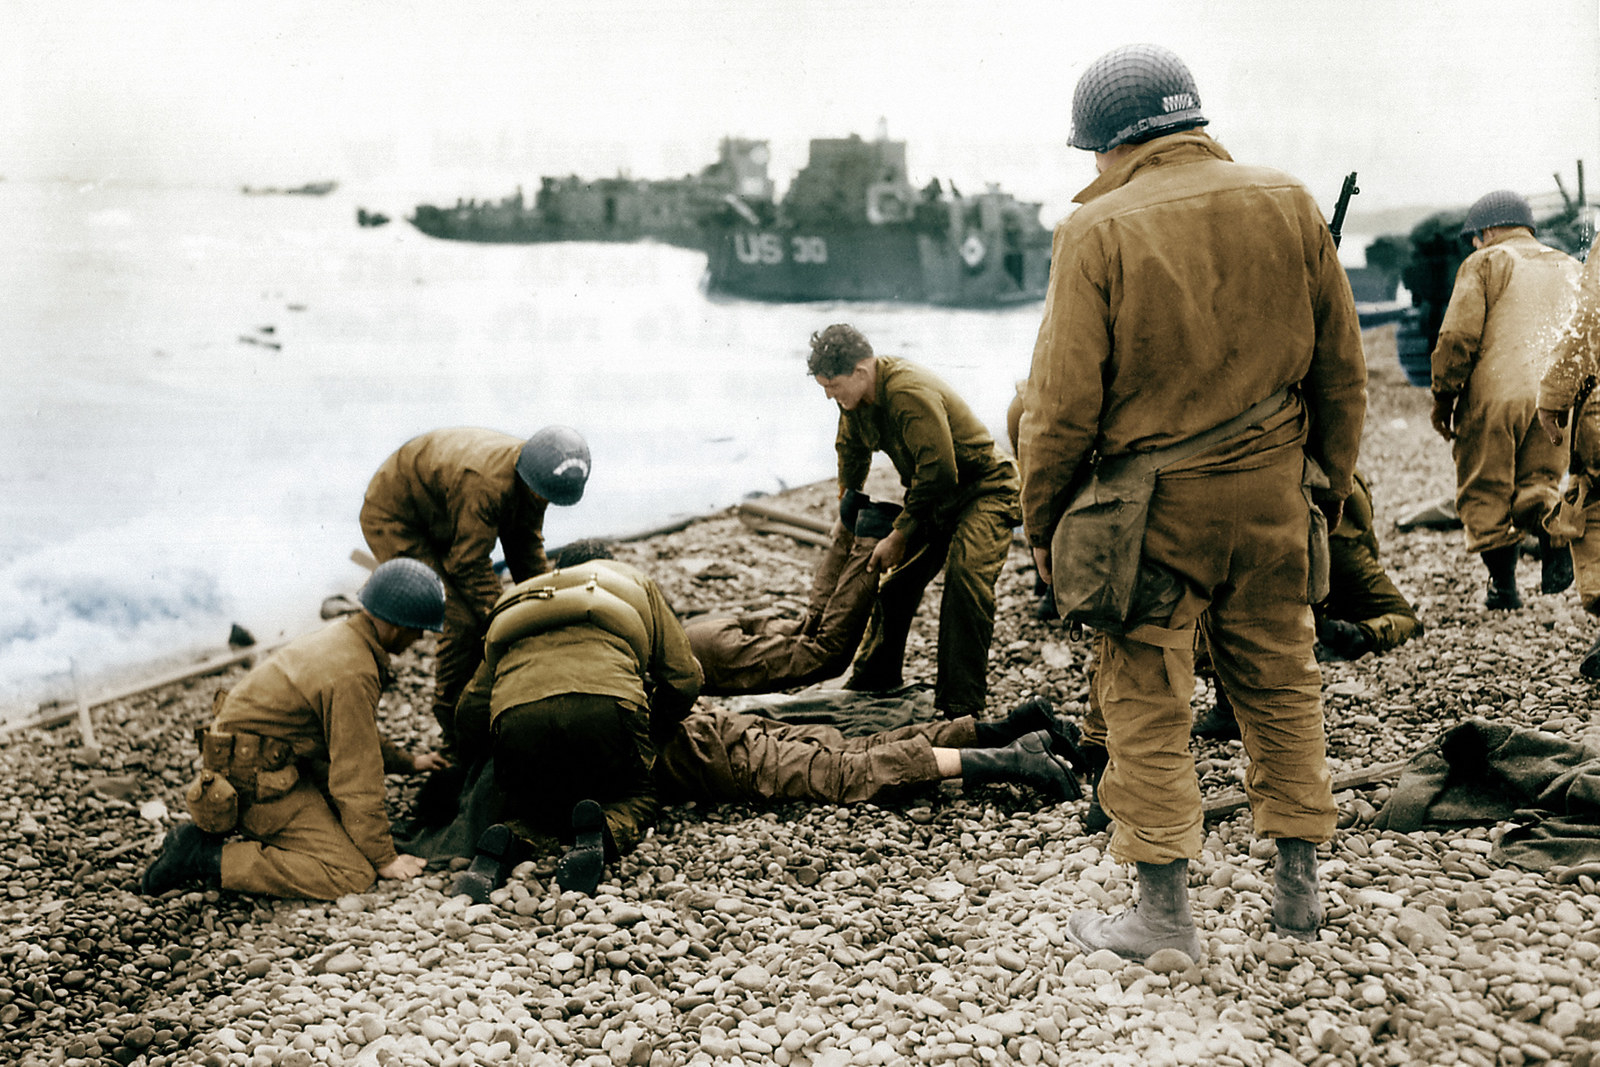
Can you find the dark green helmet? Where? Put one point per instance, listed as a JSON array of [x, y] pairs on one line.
[[406, 593], [1132, 94], [555, 464], [1499, 208]]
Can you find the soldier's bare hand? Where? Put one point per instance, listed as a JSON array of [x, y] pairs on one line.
[[888, 553], [403, 868], [1444, 408], [429, 761], [1041, 563], [1554, 423]]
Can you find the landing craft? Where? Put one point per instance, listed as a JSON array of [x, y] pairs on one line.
[[609, 209], [853, 227]]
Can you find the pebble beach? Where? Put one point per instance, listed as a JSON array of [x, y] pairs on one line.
[[927, 932]]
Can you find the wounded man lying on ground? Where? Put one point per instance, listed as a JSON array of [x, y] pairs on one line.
[[719, 756], [761, 655]]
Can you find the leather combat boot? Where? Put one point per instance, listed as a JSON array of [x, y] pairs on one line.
[[1160, 920], [189, 856], [1031, 716], [1589, 666], [1296, 911], [876, 519], [497, 852], [1218, 724], [1502, 565], [1027, 760], [1555, 566], [580, 869], [1343, 639], [1095, 757]]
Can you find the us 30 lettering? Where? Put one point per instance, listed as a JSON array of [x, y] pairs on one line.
[[767, 249]]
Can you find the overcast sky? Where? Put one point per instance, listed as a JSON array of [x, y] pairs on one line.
[[1431, 101]]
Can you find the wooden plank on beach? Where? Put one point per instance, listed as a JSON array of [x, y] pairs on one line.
[[799, 533], [182, 674], [1233, 800], [788, 518]]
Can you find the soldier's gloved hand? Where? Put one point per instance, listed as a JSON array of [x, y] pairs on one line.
[[1444, 408], [1554, 422]]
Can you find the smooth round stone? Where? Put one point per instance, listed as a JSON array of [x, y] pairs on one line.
[[343, 963], [563, 961], [1278, 954], [752, 978], [1010, 959], [1169, 961]]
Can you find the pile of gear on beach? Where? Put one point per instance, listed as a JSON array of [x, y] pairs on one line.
[[1183, 464]]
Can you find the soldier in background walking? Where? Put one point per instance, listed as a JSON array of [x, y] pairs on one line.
[[1511, 298]]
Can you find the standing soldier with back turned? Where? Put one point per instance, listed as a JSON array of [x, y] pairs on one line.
[[1192, 298], [444, 498], [1511, 298]]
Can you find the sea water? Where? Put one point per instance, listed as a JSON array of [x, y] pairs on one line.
[[196, 386]]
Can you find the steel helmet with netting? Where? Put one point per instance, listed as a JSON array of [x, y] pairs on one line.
[[1499, 208], [1132, 94], [405, 592]]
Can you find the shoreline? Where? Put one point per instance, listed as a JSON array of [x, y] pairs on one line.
[[926, 931]]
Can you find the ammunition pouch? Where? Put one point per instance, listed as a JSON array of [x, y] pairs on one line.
[[213, 803], [257, 767]]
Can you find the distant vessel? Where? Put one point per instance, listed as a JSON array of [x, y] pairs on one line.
[[308, 189], [853, 227], [609, 209]]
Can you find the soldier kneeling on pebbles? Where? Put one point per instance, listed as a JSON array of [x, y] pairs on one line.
[[294, 763]]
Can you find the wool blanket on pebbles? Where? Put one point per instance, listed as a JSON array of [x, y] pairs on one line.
[[1484, 772], [455, 805]]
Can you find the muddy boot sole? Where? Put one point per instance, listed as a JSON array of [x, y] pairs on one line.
[[580, 869], [489, 866]]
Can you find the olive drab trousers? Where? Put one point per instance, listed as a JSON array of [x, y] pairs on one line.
[[972, 554], [734, 757], [550, 754], [1586, 550], [1507, 471], [1361, 592], [742, 655], [1237, 539], [295, 846]]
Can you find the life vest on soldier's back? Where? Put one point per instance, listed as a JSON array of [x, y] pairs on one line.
[[600, 593]]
